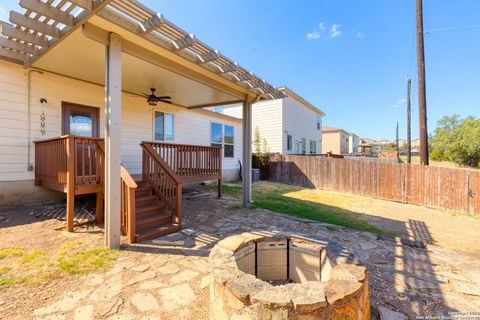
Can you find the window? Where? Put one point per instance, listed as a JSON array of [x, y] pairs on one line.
[[289, 142], [319, 122], [163, 126], [313, 146], [223, 136], [304, 145], [79, 120], [228, 141]]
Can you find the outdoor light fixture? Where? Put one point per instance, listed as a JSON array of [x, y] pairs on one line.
[[43, 101]]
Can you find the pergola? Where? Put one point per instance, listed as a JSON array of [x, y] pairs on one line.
[[125, 46]]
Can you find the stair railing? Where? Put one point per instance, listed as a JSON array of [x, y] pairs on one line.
[[164, 181], [127, 208]]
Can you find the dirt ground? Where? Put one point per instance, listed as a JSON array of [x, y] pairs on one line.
[[446, 229], [168, 277]]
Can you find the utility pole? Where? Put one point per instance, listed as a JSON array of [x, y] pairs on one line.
[[409, 122], [422, 99], [397, 145]]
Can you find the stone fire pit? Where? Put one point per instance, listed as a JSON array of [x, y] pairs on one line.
[[260, 276]]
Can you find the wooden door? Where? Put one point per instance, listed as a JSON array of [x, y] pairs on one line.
[[80, 120], [83, 121]]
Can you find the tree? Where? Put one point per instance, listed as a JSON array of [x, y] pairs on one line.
[[458, 140]]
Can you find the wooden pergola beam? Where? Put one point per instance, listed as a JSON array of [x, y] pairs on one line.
[[228, 67], [85, 4], [18, 46], [11, 32], [13, 55], [209, 56], [48, 11], [151, 24], [184, 43], [37, 26]]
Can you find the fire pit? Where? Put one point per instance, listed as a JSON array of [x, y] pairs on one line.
[[260, 276]]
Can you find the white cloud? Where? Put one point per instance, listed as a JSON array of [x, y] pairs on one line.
[[359, 34], [313, 35], [317, 31], [335, 30], [399, 103]]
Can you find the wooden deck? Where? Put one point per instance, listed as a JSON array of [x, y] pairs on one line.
[[149, 208]]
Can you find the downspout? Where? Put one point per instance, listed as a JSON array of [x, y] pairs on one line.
[[29, 134]]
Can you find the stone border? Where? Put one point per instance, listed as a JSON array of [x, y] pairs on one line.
[[342, 291]]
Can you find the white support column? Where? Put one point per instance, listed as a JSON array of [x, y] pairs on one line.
[[113, 116], [247, 155]]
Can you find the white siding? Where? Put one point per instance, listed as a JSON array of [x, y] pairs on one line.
[[191, 127], [267, 116], [300, 122]]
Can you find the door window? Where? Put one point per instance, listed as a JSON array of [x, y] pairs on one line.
[[78, 120]]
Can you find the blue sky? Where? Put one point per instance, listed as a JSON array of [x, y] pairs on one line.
[[349, 58]]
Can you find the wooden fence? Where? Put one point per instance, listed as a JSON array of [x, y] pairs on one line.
[[435, 187]]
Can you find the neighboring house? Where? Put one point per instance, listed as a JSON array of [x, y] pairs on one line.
[[289, 125], [339, 141], [74, 119]]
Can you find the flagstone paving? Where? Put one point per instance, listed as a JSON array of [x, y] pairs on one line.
[[168, 278]]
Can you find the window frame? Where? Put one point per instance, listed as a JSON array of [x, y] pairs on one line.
[[222, 144], [289, 142], [304, 145], [165, 113], [314, 144]]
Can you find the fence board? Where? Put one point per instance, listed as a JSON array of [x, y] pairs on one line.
[[436, 187]]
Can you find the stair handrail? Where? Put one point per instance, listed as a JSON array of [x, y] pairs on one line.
[[169, 189], [127, 208]]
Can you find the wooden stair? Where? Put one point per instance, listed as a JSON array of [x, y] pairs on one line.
[[152, 217]]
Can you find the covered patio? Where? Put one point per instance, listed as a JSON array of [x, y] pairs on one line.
[[128, 48]]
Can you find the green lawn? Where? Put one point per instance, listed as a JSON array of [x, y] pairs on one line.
[[300, 202]]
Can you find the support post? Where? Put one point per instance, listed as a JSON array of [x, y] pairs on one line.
[[113, 115], [247, 155], [99, 207], [70, 183]]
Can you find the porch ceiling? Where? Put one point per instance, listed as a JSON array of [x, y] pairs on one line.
[[48, 35], [70, 58]]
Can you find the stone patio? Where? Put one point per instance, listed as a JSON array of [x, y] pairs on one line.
[[168, 278]]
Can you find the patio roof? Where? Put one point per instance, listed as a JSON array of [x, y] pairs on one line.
[[43, 26]]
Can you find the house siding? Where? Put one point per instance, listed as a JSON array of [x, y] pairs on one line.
[[190, 127], [267, 116], [336, 142], [300, 122]]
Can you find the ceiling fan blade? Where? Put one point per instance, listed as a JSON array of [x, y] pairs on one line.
[[164, 97], [165, 101], [146, 94]]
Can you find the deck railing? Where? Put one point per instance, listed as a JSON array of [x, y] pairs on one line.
[[61, 158], [127, 210], [162, 178], [73, 165], [190, 160]]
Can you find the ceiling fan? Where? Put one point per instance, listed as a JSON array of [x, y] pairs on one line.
[[152, 99]]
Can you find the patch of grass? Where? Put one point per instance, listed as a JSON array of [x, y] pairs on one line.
[[36, 257], [74, 260], [18, 266], [301, 202], [8, 281], [11, 252]]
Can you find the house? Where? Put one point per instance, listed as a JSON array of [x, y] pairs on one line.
[[289, 125], [339, 141], [78, 115]]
